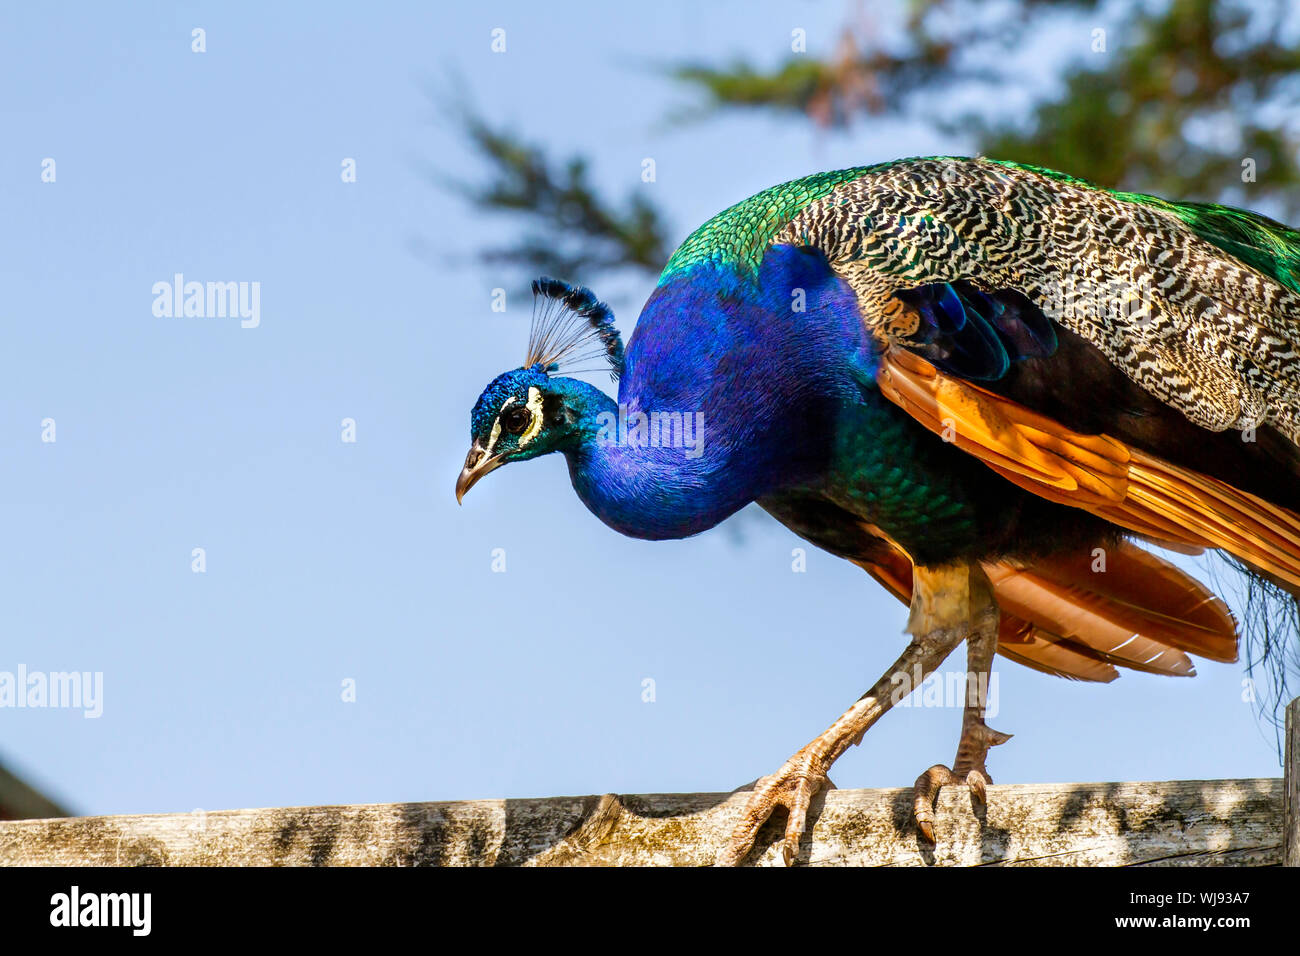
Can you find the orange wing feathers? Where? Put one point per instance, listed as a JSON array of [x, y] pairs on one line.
[[1153, 498], [1059, 615]]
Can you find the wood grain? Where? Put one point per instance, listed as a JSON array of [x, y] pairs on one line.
[[1291, 834], [1179, 823]]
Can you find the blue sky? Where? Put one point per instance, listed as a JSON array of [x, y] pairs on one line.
[[329, 561]]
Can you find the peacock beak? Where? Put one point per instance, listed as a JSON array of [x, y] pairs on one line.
[[477, 464]]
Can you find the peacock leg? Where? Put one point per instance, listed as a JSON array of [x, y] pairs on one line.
[[976, 736], [948, 605]]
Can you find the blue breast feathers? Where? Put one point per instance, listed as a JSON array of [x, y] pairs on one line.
[[792, 329]]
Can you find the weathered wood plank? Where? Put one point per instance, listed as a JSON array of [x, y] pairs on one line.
[[1291, 824], [1190, 823]]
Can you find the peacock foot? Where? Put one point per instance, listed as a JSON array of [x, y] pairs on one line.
[[937, 624], [793, 787], [968, 768]]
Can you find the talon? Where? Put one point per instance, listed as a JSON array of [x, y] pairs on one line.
[[924, 791], [977, 781], [927, 787], [792, 787], [789, 852]]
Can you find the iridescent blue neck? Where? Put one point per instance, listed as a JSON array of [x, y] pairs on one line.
[[739, 381], [656, 493]]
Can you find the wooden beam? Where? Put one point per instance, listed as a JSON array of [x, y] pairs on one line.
[[1291, 823], [1188, 823]]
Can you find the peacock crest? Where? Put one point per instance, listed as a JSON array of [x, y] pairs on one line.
[[572, 331]]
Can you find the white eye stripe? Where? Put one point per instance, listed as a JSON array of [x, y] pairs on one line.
[[492, 439], [534, 406]]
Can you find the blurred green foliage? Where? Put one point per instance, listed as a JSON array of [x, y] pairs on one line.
[[569, 230], [1169, 98]]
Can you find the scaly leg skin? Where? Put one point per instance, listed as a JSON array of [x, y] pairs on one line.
[[976, 736], [947, 604]]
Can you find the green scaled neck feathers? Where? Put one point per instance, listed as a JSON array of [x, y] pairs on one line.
[[738, 237]]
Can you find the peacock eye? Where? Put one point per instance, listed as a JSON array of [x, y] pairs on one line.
[[515, 419]]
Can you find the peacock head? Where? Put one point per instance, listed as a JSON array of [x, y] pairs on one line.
[[530, 411]]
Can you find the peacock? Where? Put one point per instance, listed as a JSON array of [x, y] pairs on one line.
[[990, 385]]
